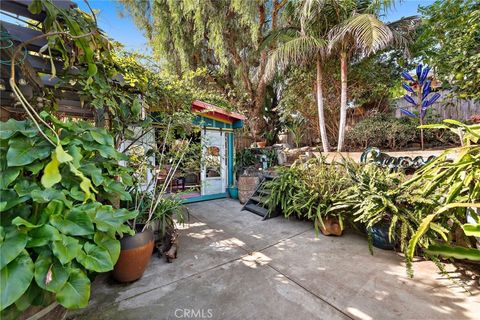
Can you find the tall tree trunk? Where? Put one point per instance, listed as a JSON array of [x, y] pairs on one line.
[[259, 98], [343, 101], [321, 115]]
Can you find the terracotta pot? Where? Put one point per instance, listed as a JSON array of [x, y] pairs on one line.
[[134, 256], [332, 227], [261, 144]]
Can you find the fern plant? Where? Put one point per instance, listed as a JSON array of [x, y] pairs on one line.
[[308, 190], [373, 198]]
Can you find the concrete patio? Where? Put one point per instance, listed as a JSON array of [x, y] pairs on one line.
[[233, 265]]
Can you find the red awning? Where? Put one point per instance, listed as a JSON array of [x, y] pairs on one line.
[[214, 111]]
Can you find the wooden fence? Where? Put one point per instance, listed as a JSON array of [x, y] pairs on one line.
[[447, 108], [242, 141]]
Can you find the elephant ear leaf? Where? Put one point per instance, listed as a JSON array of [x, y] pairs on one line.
[[15, 279], [11, 246], [85, 184], [76, 291], [110, 243], [51, 174], [62, 155], [95, 258], [49, 273]]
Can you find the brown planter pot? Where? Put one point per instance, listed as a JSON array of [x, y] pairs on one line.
[[332, 227], [134, 256], [261, 144], [246, 187]]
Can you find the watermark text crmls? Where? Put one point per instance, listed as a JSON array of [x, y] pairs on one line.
[[186, 313]]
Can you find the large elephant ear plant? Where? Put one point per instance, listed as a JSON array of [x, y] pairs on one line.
[[54, 231]]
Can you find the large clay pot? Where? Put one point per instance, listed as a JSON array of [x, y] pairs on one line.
[[246, 187], [332, 227], [134, 256], [261, 144]]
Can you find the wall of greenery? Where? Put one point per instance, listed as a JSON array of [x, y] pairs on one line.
[[57, 228]]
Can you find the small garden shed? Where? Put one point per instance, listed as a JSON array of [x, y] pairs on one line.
[[217, 140]]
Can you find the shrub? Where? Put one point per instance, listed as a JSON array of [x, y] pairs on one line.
[[384, 131], [454, 188], [54, 233]]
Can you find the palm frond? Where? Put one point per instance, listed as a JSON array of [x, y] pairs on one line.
[[279, 36], [295, 51], [308, 10], [402, 30], [368, 33]]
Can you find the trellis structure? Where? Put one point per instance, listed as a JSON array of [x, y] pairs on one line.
[[33, 69]]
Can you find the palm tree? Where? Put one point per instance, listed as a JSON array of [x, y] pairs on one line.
[[359, 32], [302, 45]]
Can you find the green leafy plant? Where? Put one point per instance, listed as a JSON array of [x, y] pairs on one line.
[[373, 198], [55, 232], [151, 197], [244, 159], [296, 126], [454, 185], [308, 190], [387, 132]]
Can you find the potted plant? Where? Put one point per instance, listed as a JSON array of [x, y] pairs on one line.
[[308, 191], [151, 232], [152, 199], [375, 203]]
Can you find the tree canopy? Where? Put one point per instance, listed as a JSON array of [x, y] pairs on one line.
[[450, 41]]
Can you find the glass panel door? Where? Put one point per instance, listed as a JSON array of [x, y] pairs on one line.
[[213, 162]]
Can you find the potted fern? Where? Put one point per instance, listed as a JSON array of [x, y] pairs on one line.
[[375, 203]]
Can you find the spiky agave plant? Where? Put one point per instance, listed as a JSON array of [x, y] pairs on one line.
[[417, 94]]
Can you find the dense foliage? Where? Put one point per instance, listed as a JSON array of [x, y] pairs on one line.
[[388, 132], [224, 36], [454, 189], [450, 40], [308, 191], [422, 215], [56, 229]]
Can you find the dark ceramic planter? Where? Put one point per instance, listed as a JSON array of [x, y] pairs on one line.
[[134, 256], [380, 237]]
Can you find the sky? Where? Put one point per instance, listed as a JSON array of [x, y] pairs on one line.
[[122, 28]]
